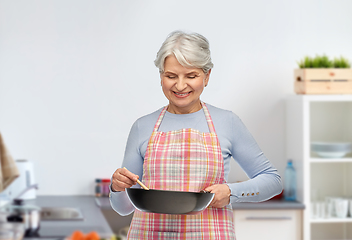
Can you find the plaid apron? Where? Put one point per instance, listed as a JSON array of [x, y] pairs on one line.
[[183, 160]]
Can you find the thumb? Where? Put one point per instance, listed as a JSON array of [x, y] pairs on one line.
[[209, 189]]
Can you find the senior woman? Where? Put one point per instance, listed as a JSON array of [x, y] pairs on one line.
[[187, 146]]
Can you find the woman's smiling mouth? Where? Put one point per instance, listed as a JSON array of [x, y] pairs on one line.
[[181, 95]]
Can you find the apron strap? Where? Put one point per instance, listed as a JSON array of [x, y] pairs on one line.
[[208, 118], [160, 118], [206, 113]]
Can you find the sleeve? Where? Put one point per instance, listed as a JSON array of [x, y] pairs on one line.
[[133, 161], [264, 182]]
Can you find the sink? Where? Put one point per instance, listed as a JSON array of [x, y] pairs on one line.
[[60, 213]]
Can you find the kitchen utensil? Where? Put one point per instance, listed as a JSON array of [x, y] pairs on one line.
[[19, 212], [331, 149], [29, 215], [169, 202], [25, 180], [140, 183]]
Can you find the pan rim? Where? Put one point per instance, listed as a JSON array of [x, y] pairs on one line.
[[163, 192], [169, 191]]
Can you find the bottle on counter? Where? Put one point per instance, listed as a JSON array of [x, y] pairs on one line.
[[98, 187], [105, 187], [290, 182]]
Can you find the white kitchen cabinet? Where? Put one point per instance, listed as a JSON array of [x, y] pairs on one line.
[[320, 118], [278, 224]]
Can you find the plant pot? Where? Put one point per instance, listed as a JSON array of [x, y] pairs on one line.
[[323, 81]]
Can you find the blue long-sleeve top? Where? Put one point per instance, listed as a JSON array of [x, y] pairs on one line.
[[236, 143]]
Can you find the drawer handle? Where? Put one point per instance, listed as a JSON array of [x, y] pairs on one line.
[[268, 218]]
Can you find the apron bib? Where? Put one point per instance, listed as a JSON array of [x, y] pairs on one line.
[[183, 160]]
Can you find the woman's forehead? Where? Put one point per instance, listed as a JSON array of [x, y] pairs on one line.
[[173, 66]]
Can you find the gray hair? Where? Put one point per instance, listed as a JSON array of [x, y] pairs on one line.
[[190, 50]]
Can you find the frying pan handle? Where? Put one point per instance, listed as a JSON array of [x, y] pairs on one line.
[[203, 191]]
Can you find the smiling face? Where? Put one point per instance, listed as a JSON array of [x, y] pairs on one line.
[[182, 86]]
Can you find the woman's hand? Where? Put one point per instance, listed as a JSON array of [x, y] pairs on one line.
[[122, 178], [222, 195]]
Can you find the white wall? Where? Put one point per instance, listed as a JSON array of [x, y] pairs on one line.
[[75, 75]]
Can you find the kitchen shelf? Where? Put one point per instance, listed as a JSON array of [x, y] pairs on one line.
[[321, 98], [330, 160], [332, 220], [328, 118]]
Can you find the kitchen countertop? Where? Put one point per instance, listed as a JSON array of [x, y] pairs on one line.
[[104, 203], [270, 204], [93, 219]]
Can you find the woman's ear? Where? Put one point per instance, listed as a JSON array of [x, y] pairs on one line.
[[207, 76]]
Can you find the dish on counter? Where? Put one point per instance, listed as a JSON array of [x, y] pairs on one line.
[[331, 149]]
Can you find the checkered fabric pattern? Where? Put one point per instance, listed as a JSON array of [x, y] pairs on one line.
[[183, 160]]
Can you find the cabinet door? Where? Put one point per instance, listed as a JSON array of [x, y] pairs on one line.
[[268, 224]]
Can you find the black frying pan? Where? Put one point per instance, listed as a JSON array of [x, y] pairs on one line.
[[169, 202]]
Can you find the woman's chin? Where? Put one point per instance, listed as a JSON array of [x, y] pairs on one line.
[[178, 106]]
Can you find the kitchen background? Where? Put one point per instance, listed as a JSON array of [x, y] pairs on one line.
[[75, 75]]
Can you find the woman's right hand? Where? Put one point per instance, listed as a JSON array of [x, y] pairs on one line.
[[122, 178]]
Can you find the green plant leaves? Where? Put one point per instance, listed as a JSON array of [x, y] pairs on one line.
[[341, 63], [323, 62]]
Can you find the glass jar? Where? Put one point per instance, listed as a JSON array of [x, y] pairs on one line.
[[105, 187], [98, 187]]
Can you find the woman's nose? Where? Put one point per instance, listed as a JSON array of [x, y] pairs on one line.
[[181, 84]]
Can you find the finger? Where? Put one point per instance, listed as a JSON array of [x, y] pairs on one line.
[[120, 186], [123, 174], [218, 204], [123, 184], [209, 189], [213, 203], [125, 179], [129, 174], [120, 181], [116, 188]]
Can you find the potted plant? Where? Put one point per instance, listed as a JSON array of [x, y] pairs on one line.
[[320, 75]]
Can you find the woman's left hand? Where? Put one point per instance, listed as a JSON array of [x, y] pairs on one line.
[[222, 195]]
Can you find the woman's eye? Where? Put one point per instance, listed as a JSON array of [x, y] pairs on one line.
[[171, 77], [191, 77]]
